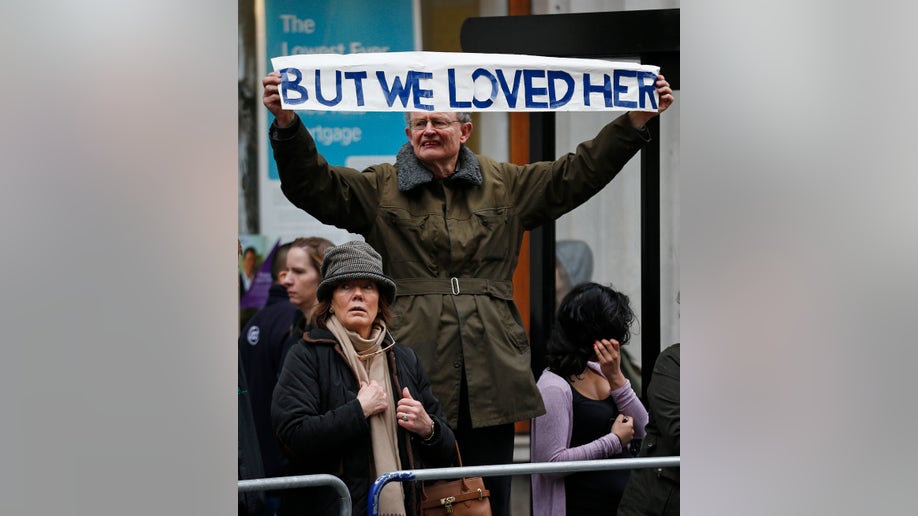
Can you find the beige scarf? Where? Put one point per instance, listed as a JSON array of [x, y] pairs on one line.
[[383, 429]]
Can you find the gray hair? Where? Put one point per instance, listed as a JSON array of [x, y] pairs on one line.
[[463, 116]]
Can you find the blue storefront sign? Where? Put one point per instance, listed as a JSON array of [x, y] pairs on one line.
[[343, 27]]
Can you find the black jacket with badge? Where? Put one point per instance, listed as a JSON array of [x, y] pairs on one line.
[[263, 345], [320, 425]]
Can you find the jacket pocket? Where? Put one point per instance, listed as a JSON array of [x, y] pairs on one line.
[[494, 233], [407, 236], [513, 324]]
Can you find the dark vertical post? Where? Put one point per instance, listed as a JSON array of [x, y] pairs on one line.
[[650, 253], [651, 35], [542, 250]]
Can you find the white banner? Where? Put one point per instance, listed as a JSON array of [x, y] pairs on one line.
[[458, 81]]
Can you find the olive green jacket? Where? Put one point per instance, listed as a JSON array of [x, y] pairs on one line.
[[452, 247]]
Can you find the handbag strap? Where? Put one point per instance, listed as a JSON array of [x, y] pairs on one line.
[[458, 455], [459, 458], [398, 392]]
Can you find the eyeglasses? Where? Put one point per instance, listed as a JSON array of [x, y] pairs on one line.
[[420, 124]]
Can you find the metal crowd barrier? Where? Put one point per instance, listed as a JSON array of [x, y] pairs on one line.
[[264, 484], [512, 469]]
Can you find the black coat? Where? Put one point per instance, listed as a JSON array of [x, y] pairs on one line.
[[320, 425], [249, 458], [263, 345], [655, 491]]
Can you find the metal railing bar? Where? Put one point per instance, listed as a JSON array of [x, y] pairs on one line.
[[512, 469], [264, 484]]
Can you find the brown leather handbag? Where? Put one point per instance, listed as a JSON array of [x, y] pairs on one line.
[[465, 496]]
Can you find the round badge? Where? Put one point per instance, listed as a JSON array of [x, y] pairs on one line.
[[252, 336]]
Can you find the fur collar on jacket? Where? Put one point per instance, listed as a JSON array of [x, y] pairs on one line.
[[412, 173]]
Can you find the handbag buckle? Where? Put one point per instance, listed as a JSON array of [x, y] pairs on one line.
[[448, 503]]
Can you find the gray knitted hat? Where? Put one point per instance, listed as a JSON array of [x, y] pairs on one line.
[[350, 261]]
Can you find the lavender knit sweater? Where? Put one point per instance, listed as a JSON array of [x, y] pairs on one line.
[[551, 437]]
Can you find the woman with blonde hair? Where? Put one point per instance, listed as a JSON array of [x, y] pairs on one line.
[[302, 274]]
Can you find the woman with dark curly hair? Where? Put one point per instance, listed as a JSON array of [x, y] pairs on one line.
[[591, 410]]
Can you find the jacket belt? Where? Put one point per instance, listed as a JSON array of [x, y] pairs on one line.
[[454, 286]]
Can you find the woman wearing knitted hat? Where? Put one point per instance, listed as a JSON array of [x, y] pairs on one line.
[[352, 402]]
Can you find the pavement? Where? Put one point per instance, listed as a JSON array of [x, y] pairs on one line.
[[520, 496]]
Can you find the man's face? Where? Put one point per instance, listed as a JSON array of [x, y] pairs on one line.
[[248, 263], [282, 258], [437, 137]]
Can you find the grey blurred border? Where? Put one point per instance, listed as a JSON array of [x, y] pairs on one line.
[[118, 285], [799, 224]]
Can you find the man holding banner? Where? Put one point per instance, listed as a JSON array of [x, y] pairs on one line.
[[449, 223]]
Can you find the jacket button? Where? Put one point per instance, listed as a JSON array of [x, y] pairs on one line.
[[457, 365]]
